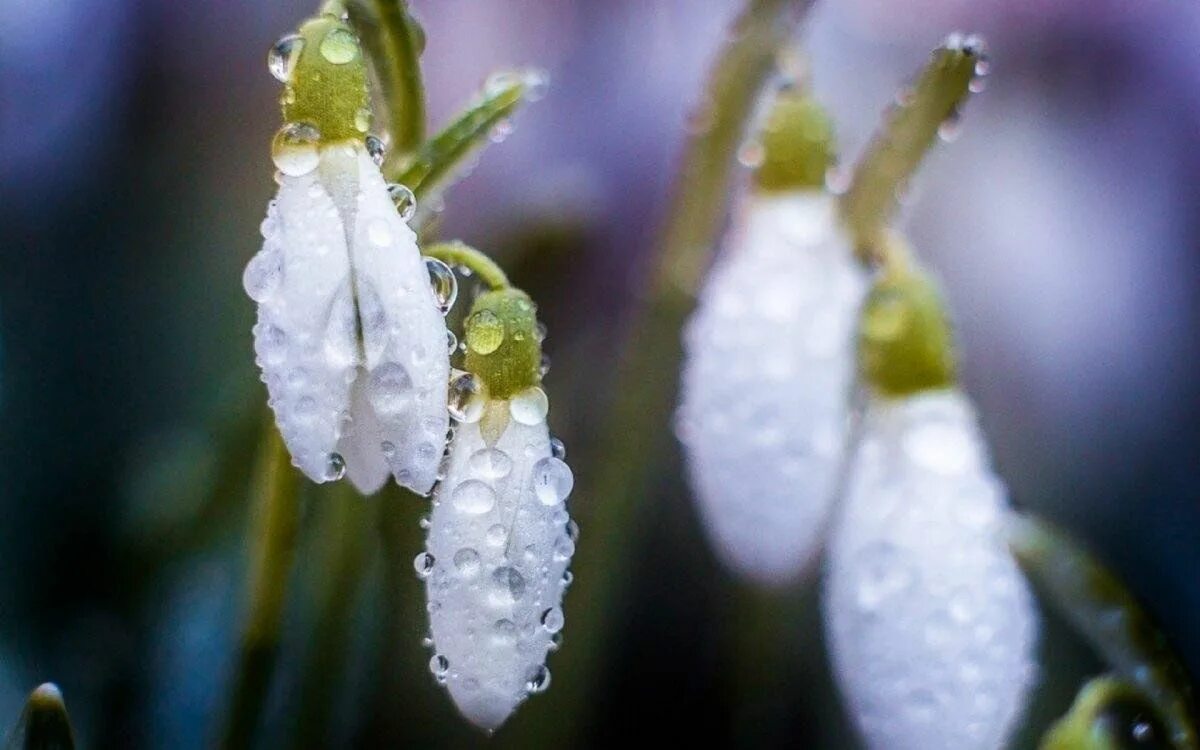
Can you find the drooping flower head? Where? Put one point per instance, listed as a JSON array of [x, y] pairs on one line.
[[500, 539], [931, 625], [350, 336], [769, 356]]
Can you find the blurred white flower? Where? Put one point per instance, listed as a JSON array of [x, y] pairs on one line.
[[768, 371], [499, 544], [931, 625], [349, 336]]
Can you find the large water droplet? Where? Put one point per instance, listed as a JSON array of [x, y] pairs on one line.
[[403, 199], [263, 274], [423, 564], [529, 407], [465, 398], [335, 467], [339, 46], [390, 389], [552, 620], [294, 149], [491, 463], [508, 584], [443, 284], [466, 562], [473, 497], [485, 332], [281, 59], [439, 667], [552, 481]]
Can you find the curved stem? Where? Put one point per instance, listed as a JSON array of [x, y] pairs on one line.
[[635, 437], [910, 128], [276, 518], [461, 254], [405, 92]]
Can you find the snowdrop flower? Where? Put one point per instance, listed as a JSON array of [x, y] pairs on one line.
[[931, 624], [500, 539], [350, 337], [769, 357]]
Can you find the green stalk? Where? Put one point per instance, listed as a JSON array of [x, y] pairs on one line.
[[637, 435], [427, 171], [394, 41], [345, 531], [44, 724], [909, 130], [461, 254], [273, 538]]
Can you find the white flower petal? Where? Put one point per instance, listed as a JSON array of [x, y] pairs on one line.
[[403, 333], [363, 445], [305, 335], [932, 626], [768, 370], [500, 546]]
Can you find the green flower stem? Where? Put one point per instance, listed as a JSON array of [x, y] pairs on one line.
[[44, 724], [636, 435], [461, 254], [1108, 616], [432, 166], [394, 40], [345, 531], [897, 149], [273, 538]]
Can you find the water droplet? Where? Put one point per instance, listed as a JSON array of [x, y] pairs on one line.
[[499, 81], [294, 149], [451, 342], [473, 497], [538, 679], [573, 531], [500, 131], [390, 389], [465, 398], [485, 332], [263, 274], [509, 584], [403, 199], [375, 149], [466, 562], [751, 154], [951, 127], [339, 46], [497, 535], [504, 630], [388, 448], [544, 365], [557, 449], [552, 620], [883, 574], [439, 666], [443, 284], [529, 407], [537, 83], [564, 548], [552, 481], [281, 59], [379, 233], [423, 564], [335, 467], [490, 463]]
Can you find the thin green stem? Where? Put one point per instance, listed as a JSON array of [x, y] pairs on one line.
[[457, 253], [427, 171], [275, 523], [910, 128], [405, 92], [635, 438], [345, 533]]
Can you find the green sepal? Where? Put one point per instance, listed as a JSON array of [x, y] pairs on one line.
[[1108, 714], [797, 143], [328, 86], [433, 165], [905, 341], [44, 724], [503, 345]]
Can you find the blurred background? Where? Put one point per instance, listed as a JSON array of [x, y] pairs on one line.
[[134, 171]]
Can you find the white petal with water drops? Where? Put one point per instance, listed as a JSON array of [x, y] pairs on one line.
[[768, 370], [931, 626], [501, 542], [304, 339], [403, 338]]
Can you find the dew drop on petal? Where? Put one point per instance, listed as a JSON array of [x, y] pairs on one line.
[[451, 342], [552, 620], [508, 584], [552, 481], [473, 497], [390, 389], [335, 467], [491, 463], [294, 149], [439, 666], [529, 407], [557, 449], [403, 199], [465, 398], [374, 144], [379, 233], [281, 59], [423, 564], [497, 535], [443, 284], [466, 562], [262, 275], [538, 679]]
